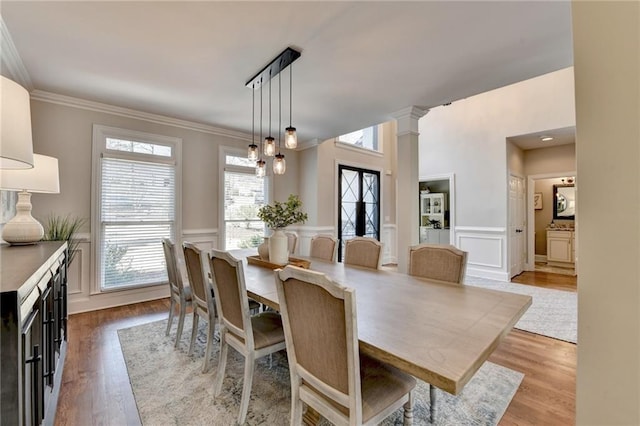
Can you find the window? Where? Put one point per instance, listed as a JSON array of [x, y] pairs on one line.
[[365, 138], [136, 205], [244, 194]]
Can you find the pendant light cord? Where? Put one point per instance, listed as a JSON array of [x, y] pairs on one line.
[[290, 93], [261, 85], [269, 103], [279, 109]]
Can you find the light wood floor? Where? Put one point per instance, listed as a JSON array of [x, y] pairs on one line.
[[96, 388]]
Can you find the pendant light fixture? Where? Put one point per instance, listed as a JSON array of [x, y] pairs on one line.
[[253, 148], [260, 164], [290, 138], [279, 165], [267, 146], [269, 142]]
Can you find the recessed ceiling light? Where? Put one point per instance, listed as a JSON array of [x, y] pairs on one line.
[[546, 138]]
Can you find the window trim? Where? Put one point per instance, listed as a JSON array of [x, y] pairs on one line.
[[376, 153], [99, 150], [222, 168]]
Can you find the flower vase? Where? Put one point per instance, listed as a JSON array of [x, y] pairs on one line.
[[278, 248], [263, 249]]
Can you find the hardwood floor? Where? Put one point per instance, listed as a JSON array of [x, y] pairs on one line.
[[547, 280], [96, 388]]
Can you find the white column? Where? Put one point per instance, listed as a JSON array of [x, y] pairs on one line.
[[407, 199]]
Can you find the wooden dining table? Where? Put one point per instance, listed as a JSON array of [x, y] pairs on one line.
[[439, 332]]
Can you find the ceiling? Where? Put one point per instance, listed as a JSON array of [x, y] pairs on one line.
[[360, 62], [563, 136]]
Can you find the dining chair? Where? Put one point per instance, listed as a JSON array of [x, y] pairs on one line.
[[328, 373], [438, 262], [252, 336], [292, 241], [363, 251], [203, 301], [180, 294], [324, 247]]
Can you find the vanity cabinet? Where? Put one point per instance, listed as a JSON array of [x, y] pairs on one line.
[[560, 247], [33, 331]]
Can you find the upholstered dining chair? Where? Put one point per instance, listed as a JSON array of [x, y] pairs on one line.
[[252, 336], [363, 251], [180, 294], [324, 247], [438, 262], [327, 371], [292, 241], [203, 302]]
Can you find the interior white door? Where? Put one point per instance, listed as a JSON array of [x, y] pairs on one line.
[[517, 223]]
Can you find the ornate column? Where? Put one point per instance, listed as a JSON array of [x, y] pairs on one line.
[[407, 199]]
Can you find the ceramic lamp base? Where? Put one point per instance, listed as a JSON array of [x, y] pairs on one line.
[[23, 228]]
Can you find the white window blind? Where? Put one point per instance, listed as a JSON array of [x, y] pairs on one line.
[[137, 210]]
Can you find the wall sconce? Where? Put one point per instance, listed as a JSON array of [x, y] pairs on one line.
[[43, 177], [268, 145], [16, 143]]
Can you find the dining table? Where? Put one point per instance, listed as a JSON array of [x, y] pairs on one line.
[[439, 332]]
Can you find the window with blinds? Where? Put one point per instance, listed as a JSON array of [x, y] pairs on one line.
[[244, 194], [137, 208]]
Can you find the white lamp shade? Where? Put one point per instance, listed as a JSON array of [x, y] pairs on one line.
[[16, 143], [43, 177]]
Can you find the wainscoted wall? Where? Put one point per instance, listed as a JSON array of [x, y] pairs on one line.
[[389, 243], [487, 256]]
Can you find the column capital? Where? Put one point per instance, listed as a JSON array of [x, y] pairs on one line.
[[407, 119]]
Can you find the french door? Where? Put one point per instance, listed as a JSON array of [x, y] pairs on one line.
[[359, 204]]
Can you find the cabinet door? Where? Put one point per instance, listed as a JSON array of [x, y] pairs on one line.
[[32, 390], [558, 249]]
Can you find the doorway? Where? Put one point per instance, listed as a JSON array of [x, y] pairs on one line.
[[517, 221], [359, 204]]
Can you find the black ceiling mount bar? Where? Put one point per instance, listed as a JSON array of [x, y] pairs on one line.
[[280, 62]]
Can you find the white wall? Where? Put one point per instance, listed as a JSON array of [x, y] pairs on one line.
[[607, 69], [469, 137]]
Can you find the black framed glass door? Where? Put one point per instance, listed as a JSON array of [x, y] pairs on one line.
[[359, 204]]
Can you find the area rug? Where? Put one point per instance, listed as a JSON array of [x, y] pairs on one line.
[[553, 313], [170, 388]]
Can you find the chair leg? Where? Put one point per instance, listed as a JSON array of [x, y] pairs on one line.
[[296, 406], [182, 314], [408, 411], [194, 332], [211, 327], [249, 364], [432, 406], [222, 364], [170, 320]]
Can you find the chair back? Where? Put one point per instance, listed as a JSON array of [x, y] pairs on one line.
[[319, 320], [173, 273], [363, 251], [438, 262], [324, 247], [199, 287], [292, 241], [227, 275]]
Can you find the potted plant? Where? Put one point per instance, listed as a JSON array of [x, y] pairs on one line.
[[64, 228], [278, 216]]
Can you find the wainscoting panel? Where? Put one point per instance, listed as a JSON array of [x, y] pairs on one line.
[[305, 233], [204, 239], [388, 238], [486, 248]]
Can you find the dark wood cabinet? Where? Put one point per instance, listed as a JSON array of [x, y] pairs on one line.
[[33, 331]]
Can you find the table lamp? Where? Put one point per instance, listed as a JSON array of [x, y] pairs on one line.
[[43, 177], [16, 145]]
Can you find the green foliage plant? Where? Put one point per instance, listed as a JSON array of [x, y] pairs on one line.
[[280, 215], [64, 228]]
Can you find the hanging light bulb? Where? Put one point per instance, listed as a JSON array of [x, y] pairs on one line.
[[269, 141], [261, 168], [290, 137], [279, 164], [252, 152], [269, 146]]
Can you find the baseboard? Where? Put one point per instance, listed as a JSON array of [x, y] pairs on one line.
[[117, 298], [540, 257], [491, 275]]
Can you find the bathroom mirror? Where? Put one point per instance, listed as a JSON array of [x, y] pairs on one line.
[[564, 207]]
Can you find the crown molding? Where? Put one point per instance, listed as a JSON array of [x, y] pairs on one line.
[[12, 60], [54, 98], [308, 144]]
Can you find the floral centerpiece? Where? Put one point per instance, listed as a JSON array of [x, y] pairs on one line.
[[278, 216]]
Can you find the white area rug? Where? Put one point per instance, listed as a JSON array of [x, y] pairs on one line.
[[170, 388], [553, 313]]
